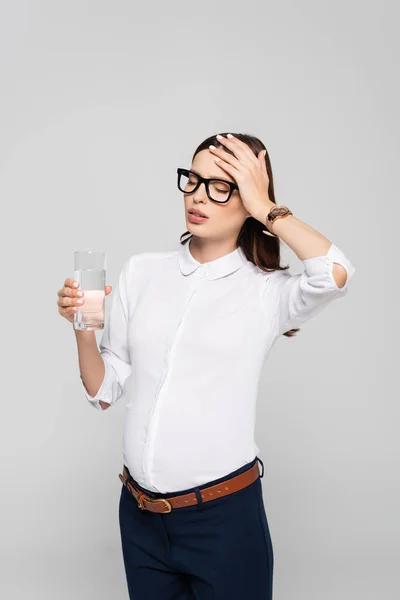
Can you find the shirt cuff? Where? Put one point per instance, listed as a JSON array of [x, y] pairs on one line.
[[109, 388], [324, 265]]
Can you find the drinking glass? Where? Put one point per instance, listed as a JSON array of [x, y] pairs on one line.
[[90, 272]]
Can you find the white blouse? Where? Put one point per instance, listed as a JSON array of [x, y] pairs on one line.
[[193, 337]]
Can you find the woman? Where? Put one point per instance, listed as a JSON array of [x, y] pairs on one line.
[[193, 327]]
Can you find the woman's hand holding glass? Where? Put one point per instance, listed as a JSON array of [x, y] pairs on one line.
[[71, 298]]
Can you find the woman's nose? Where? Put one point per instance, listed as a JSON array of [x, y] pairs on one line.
[[201, 192]]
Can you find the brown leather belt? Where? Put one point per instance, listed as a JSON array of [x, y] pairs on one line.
[[163, 505]]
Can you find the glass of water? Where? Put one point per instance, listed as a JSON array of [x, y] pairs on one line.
[[90, 272]]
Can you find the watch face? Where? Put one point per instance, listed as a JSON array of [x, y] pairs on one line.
[[277, 212]]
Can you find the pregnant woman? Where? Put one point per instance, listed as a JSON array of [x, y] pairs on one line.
[[193, 327]]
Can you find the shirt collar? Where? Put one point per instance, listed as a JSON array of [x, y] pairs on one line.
[[214, 269]]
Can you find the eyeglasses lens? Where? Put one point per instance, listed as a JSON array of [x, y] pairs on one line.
[[219, 191]]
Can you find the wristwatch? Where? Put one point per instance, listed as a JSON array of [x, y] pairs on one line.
[[277, 212]]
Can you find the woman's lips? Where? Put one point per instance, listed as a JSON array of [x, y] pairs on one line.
[[196, 218]]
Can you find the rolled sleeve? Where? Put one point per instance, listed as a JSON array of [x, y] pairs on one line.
[[300, 297], [323, 265], [114, 348], [110, 390]]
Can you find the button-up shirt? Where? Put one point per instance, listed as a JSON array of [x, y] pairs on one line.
[[193, 338]]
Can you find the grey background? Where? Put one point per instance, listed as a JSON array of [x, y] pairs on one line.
[[100, 102]]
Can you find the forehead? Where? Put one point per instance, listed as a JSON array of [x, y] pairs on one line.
[[204, 164]]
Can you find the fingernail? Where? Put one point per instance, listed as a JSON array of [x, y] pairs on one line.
[[76, 284]]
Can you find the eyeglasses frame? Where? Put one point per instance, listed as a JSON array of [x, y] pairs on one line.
[[206, 182]]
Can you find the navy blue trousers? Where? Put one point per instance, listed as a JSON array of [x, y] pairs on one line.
[[216, 550]]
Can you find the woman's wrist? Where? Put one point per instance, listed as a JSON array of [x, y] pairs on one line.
[[262, 211]]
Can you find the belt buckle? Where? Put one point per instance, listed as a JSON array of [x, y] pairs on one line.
[[141, 495], [141, 505]]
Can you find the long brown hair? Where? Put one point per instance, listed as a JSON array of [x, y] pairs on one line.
[[262, 250]]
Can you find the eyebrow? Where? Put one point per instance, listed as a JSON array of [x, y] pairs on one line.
[[218, 178]]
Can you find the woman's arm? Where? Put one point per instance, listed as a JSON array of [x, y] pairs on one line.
[[326, 274], [115, 365], [305, 241], [91, 364]]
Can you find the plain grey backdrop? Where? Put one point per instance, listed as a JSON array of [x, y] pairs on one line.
[[100, 103]]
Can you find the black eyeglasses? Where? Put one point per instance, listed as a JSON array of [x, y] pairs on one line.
[[218, 190]]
